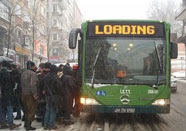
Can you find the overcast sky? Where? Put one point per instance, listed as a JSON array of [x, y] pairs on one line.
[[114, 9]]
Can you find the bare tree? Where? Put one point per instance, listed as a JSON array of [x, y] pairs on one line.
[[37, 25], [12, 12], [32, 16], [164, 10]]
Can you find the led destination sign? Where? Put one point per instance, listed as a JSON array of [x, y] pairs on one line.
[[133, 29]]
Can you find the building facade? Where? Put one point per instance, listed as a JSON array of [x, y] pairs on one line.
[[64, 15], [22, 30], [179, 64], [37, 30], [181, 17], [6, 26]]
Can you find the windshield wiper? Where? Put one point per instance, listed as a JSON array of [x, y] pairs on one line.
[[94, 65], [159, 66]]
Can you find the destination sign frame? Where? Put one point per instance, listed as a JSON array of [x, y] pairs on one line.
[[126, 29]]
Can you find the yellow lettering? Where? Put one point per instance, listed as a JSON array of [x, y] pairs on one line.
[[97, 30], [141, 29], [117, 29], [126, 29], [151, 30], [133, 32], [107, 29]]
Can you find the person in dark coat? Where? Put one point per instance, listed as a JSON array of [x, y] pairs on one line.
[[16, 76], [52, 90], [77, 82], [40, 112], [3, 124], [7, 86], [67, 86]]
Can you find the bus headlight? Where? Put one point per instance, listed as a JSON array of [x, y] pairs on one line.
[[88, 101], [161, 102]]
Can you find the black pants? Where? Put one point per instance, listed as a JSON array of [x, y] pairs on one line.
[[68, 105]]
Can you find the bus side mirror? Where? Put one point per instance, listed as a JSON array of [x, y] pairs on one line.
[[73, 37], [173, 50]]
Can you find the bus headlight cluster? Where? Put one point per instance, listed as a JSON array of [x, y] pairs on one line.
[[161, 102], [88, 101]]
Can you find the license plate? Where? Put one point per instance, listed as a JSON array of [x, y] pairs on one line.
[[124, 110]]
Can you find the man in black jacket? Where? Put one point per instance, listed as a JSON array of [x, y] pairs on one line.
[[16, 77], [52, 90], [68, 89], [41, 98], [7, 86]]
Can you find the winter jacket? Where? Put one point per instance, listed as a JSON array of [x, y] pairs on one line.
[[40, 85], [6, 84], [68, 84], [52, 87], [16, 77], [29, 82]]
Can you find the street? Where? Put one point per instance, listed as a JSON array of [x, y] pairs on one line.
[[175, 121]]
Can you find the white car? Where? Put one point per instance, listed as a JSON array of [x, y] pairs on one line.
[[179, 75], [173, 85]]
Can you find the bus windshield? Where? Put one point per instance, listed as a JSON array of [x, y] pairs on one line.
[[117, 60]]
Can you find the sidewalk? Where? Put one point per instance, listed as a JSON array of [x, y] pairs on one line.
[[36, 124]]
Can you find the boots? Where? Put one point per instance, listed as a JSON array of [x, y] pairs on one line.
[[3, 126], [13, 126], [26, 123], [28, 126]]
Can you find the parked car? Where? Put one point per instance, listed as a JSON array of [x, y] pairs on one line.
[[173, 84], [179, 75]]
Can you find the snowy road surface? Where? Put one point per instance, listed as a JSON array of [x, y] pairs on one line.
[[174, 121]]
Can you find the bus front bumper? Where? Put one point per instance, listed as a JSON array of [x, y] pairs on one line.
[[125, 109]]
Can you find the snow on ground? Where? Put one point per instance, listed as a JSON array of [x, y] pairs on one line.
[[21, 128]]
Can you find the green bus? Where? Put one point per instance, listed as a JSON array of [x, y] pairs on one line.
[[124, 65]]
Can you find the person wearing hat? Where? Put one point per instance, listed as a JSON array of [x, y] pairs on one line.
[[29, 94]]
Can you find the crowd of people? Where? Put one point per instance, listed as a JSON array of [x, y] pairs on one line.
[[48, 93]]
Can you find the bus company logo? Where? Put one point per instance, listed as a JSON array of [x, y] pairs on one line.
[[125, 95], [124, 99]]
